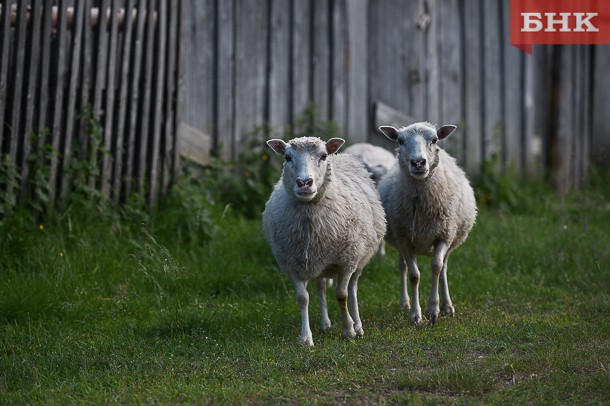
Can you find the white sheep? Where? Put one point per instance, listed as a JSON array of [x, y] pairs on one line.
[[377, 160], [323, 219], [430, 208]]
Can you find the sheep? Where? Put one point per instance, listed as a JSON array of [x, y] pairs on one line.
[[324, 219], [377, 160], [430, 208]]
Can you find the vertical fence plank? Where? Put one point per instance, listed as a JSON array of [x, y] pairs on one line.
[[250, 75], [473, 84], [358, 116], [321, 58], [72, 95], [5, 28], [514, 91], [492, 104], [225, 97], [87, 78], [451, 76], [279, 55], [158, 100], [145, 118], [339, 62], [58, 101], [301, 56], [108, 127], [100, 79], [134, 91], [32, 72], [432, 62], [170, 102], [600, 142], [122, 107]]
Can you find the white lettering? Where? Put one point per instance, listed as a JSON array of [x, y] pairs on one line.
[[580, 22], [551, 22], [528, 21]]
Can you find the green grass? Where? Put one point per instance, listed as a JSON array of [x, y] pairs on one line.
[[96, 311]]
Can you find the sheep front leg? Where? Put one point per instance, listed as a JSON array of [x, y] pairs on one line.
[[446, 304], [415, 314], [437, 266], [404, 295], [321, 284], [303, 301], [348, 322], [353, 303]]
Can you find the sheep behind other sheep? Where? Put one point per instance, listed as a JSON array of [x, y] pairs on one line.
[[430, 208], [376, 160], [323, 219]]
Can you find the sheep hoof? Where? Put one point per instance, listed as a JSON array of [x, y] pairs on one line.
[[433, 318], [348, 334], [307, 341], [416, 318], [449, 310], [326, 325], [359, 332]]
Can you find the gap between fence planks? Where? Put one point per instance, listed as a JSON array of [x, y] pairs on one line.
[[94, 18]]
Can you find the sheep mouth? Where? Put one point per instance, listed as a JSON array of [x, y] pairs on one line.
[[305, 194], [419, 173]]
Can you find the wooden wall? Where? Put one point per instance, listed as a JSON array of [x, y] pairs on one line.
[[263, 61]]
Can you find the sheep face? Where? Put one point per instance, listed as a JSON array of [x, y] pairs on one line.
[[306, 165], [418, 150]]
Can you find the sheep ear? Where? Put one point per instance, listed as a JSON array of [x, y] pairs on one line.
[[445, 131], [390, 132], [278, 146], [334, 144]]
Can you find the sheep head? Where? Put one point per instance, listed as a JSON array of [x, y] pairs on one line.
[[418, 150], [306, 165]]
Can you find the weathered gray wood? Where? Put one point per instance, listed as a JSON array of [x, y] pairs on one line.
[[85, 95], [72, 96], [193, 144], [224, 134], [160, 62], [358, 109], [492, 104], [21, 32], [386, 115], [513, 83], [600, 131], [339, 60], [122, 104], [33, 71], [279, 66], [250, 65], [301, 57], [59, 93], [169, 163], [432, 62], [145, 118], [99, 85], [451, 76], [108, 126], [321, 59], [473, 85], [134, 91], [5, 28]]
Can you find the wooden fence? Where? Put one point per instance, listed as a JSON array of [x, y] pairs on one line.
[[96, 83], [252, 62]]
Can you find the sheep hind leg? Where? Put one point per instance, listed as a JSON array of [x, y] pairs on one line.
[[348, 322], [446, 304], [438, 258], [353, 302], [303, 300], [321, 283]]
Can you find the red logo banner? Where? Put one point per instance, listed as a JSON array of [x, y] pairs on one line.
[[559, 22]]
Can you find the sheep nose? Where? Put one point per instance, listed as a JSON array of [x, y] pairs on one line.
[[304, 182], [418, 163]]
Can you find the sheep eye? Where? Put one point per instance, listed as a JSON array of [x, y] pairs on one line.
[[323, 157], [401, 141], [434, 140], [288, 158]]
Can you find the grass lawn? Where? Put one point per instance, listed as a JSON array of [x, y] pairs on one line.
[[95, 311]]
